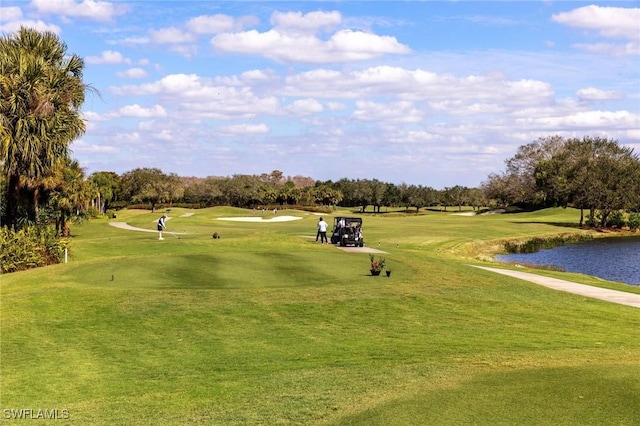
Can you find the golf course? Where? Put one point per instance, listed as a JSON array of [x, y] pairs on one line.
[[265, 326]]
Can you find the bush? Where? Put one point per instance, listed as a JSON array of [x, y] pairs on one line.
[[617, 219], [30, 247], [634, 220]]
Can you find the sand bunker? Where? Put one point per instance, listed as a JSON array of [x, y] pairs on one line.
[[260, 219]]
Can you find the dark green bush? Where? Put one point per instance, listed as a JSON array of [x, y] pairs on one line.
[[30, 247], [634, 220], [617, 219]]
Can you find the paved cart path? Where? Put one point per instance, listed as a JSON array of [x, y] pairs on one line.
[[125, 225], [614, 296]]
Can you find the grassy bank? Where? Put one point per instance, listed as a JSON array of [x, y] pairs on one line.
[[264, 326]]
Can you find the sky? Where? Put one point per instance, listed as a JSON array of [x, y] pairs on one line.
[[433, 93]]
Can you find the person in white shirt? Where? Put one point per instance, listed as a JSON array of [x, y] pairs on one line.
[[322, 230]]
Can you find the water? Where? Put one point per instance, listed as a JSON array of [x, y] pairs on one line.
[[613, 259]]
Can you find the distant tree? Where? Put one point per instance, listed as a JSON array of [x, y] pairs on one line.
[[151, 185], [204, 191], [456, 196], [477, 198], [362, 194], [71, 196], [497, 189], [521, 170], [377, 191], [417, 196], [243, 190], [173, 188], [288, 193], [392, 195], [108, 186]]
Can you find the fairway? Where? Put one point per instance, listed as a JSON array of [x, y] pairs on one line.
[[266, 326]]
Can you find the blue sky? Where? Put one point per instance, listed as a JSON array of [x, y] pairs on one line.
[[434, 93]]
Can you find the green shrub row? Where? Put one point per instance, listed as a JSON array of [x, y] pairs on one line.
[[535, 244], [30, 247]]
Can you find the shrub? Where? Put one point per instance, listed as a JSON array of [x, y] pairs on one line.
[[617, 219], [30, 247], [537, 243], [634, 220]]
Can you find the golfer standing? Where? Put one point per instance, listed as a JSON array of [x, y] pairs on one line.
[[322, 230], [161, 226]]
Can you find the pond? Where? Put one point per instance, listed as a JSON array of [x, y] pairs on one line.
[[613, 259]]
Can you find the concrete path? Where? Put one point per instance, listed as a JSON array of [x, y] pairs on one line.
[[614, 296], [365, 249], [125, 225]]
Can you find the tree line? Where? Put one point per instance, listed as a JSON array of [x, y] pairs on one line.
[[152, 187]]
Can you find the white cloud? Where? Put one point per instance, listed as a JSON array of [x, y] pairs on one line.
[[304, 107], [612, 22], [12, 20], [84, 147], [391, 112], [136, 110], [593, 94], [133, 73], [93, 116], [196, 98], [240, 129], [610, 48], [282, 46], [12, 13], [171, 35], [108, 57], [586, 120], [211, 24], [128, 137], [608, 22], [88, 9], [296, 22]]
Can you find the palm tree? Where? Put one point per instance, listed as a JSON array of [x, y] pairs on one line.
[[41, 92], [71, 196]]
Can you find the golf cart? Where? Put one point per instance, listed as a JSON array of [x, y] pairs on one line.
[[347, 231]]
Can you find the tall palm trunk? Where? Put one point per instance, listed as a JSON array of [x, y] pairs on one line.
[[13, 198]]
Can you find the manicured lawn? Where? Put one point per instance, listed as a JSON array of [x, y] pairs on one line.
[[264, 326]]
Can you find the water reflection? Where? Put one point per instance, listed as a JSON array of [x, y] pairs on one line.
[[613, 259]]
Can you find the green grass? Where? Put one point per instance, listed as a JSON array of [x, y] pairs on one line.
[[264, 326]]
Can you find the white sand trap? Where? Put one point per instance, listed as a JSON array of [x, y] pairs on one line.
[[187, 215], [260, 219], [464, 214]]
